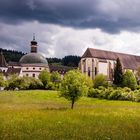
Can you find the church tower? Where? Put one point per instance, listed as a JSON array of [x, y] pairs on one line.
[[33, 45]]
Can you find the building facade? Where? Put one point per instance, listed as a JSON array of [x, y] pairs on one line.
[[30, 64], [96, 61]]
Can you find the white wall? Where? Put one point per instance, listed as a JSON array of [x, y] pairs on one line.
[[103, 68], [30, 70]]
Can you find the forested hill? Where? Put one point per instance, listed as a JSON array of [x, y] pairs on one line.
[[12, 55], [70, 60]]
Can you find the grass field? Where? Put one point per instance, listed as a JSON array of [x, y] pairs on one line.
[[42, 115]]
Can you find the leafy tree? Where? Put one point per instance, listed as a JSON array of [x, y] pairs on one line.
[[73, 86], [44, 77], [35, 83], [129, 80], [56, 79], [118, 74], [12, 82], [2, 82], [100, 80]]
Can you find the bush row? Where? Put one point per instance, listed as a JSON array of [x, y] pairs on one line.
[[115, 94]]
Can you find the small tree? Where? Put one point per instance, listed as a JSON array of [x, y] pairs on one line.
[[35, 83], [118, 74], [12, 82], [2, 82], [73, 86], [129, 80], [100, 80], [44, 77], [56, 79]]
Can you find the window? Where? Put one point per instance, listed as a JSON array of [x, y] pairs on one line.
[[26, 68], [33, 68], [27, 75], [89, 71], [95, 71], [33, 75], [40, 68]]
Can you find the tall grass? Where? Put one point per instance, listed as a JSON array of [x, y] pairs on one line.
[[42, 115]]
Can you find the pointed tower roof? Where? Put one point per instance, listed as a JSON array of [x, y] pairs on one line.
[[33, 42], [2, 60]]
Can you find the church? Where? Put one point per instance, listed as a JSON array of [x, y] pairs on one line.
[[96, 61], [30, 65]]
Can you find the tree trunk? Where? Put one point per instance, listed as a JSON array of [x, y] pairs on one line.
[[72, 104]]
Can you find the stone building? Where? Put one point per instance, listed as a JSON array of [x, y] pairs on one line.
[[96, 61], [31, 64]]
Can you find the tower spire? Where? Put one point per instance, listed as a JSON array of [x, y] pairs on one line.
[[33, 45], [34, 36]]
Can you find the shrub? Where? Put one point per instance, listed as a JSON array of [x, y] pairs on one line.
[[127, 96], [35, 83], [55, 81], [100, 80], [126, 89], [50, 86], [95, 93], [115, 95], [44, 77], [136, 96], [13, 82], [129, 80], [104, 94]]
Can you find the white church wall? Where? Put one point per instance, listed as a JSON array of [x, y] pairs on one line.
[[103, 68]]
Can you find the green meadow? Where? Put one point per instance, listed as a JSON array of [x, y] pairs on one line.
[[43, 115]]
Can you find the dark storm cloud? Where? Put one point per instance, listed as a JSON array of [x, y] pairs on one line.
[[111, 16]]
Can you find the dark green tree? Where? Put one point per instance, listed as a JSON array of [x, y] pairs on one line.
[[71, 61], [118, 74]]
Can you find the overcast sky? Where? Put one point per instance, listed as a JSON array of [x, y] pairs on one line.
[[68, 27]]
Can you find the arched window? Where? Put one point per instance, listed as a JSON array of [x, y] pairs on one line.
[[89, 71], [95, 71], [33, 75]]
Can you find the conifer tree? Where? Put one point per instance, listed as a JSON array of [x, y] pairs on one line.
[[118, 74]]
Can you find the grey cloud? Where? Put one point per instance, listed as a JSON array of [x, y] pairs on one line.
[[111, 16]]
